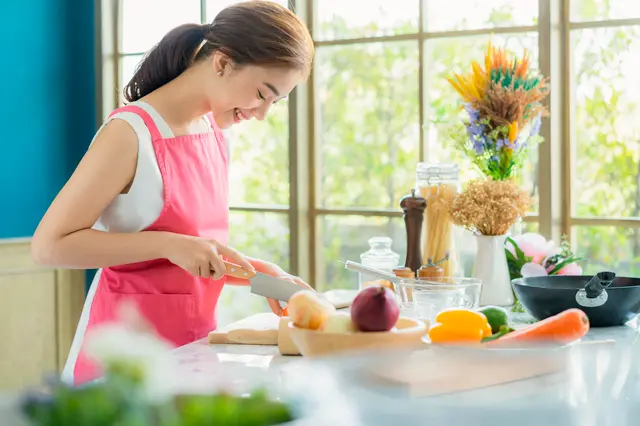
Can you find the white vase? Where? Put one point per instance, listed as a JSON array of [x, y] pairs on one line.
[[491, 267]]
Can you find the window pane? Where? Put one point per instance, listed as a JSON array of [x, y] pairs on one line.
[[254, 234], [606, 125], [447, 55], [600, 10], [368, 123], [261, 235], [338, 19], [530, 227], [608, 248], [524, 227], [345, 238], [215, 6], [449, 15], [128, 66], [145, 22], [259, 169]]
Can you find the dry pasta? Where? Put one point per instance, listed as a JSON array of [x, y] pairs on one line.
[[437, 235]]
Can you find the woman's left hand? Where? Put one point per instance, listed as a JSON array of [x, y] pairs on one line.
[[273, 270]]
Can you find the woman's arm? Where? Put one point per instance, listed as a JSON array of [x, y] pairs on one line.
[[64, 237]]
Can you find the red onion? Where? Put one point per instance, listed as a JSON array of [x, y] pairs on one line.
[[375, 309]]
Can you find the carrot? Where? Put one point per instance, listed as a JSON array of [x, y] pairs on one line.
[[563, 328]]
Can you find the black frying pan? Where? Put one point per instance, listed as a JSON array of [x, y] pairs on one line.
[[606, 299]]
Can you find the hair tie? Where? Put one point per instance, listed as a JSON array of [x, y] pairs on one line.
[[198, 49]]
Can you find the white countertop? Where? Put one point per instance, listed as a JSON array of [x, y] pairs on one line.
[[203, 367]]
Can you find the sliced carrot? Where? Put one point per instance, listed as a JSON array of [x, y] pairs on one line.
[[563, 328], [285, 312]]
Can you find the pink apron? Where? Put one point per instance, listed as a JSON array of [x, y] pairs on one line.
[[181, 307]]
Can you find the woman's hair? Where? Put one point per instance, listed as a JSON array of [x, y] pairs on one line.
[[257, 32]]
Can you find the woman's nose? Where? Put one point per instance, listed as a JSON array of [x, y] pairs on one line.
[[261, 112]]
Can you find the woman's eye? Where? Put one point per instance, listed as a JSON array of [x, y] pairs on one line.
[[260, 95]]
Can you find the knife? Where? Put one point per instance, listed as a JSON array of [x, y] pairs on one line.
[[263, 284]]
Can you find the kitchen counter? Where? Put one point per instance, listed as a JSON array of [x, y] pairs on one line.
[[341, 399]]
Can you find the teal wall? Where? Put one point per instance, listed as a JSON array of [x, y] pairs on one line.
[[48, 106]]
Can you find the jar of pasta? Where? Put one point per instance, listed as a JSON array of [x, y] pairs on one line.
[[438, 184]]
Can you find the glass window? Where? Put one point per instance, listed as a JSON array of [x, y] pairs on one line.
[[602, 10], [368, 121], [606, 128], [340, 19], [145, 22], [456, 15]]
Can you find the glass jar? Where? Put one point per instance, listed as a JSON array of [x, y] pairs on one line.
[[380, 257], [438, 184]]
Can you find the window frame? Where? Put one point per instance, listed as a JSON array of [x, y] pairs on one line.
[[555, 156]]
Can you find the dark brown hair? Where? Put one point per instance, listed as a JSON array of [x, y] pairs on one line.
[[256, 32]]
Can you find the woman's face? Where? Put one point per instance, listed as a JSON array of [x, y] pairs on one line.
[[248, 92]]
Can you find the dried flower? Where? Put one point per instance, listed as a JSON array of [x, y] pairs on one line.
[[504, 105], [489, 207]]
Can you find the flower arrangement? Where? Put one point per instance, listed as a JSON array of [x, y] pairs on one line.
[[489, 207], [503, 102], [531, 255]]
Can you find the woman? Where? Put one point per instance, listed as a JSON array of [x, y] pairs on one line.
[[149, 202]]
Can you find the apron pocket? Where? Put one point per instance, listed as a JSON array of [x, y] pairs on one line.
[[172, 315]]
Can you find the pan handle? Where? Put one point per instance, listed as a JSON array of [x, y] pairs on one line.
[[594, 293]]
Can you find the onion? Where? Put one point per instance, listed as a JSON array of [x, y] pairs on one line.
[[375, 309]]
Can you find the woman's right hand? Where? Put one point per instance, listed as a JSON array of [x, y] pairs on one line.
[[202, 257]]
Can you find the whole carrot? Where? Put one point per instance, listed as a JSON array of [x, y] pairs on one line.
[[563, 328]]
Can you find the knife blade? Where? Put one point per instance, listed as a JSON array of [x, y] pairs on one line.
[[265, 285]]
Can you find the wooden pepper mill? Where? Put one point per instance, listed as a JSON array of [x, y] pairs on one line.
[[413, 207]]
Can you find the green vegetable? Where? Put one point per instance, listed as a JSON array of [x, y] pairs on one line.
[[496, 316], [118, 402], [501, 332]]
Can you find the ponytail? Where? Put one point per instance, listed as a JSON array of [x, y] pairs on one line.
[[166, 61]]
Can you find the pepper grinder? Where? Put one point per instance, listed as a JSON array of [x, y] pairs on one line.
[[413, 207]]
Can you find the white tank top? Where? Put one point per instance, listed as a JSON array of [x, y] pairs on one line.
[[143, 203]]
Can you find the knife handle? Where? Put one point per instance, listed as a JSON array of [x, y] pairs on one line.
[[236, 271]]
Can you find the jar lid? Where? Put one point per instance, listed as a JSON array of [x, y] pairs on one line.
[[437, 171], [380, 241]]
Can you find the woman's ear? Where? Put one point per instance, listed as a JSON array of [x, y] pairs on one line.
[[221, 63]]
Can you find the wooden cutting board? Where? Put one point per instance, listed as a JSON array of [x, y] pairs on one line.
[[262, 329], [259, 329], [437, 371]]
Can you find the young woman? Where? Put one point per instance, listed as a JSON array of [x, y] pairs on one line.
[[149, 202]]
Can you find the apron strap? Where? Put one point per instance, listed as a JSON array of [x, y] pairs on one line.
[[146, 117]]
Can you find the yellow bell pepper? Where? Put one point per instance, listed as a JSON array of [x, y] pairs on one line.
[[459, 326]]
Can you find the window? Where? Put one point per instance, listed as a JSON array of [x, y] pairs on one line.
[[327, 169], [380, 90], [605, 134]]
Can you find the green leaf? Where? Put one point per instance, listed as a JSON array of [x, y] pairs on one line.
[[519, 253]]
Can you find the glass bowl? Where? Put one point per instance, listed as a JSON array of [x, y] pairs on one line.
[[423, 299]]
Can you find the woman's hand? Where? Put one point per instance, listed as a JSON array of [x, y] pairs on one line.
[[273, 270], [203, 257]]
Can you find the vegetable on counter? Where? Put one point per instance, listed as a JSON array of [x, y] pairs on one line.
[[308, 310], [503, 330], [375, 309], [459, 326], [496, 316], [338, 322], [563, 328], [117, 402]]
